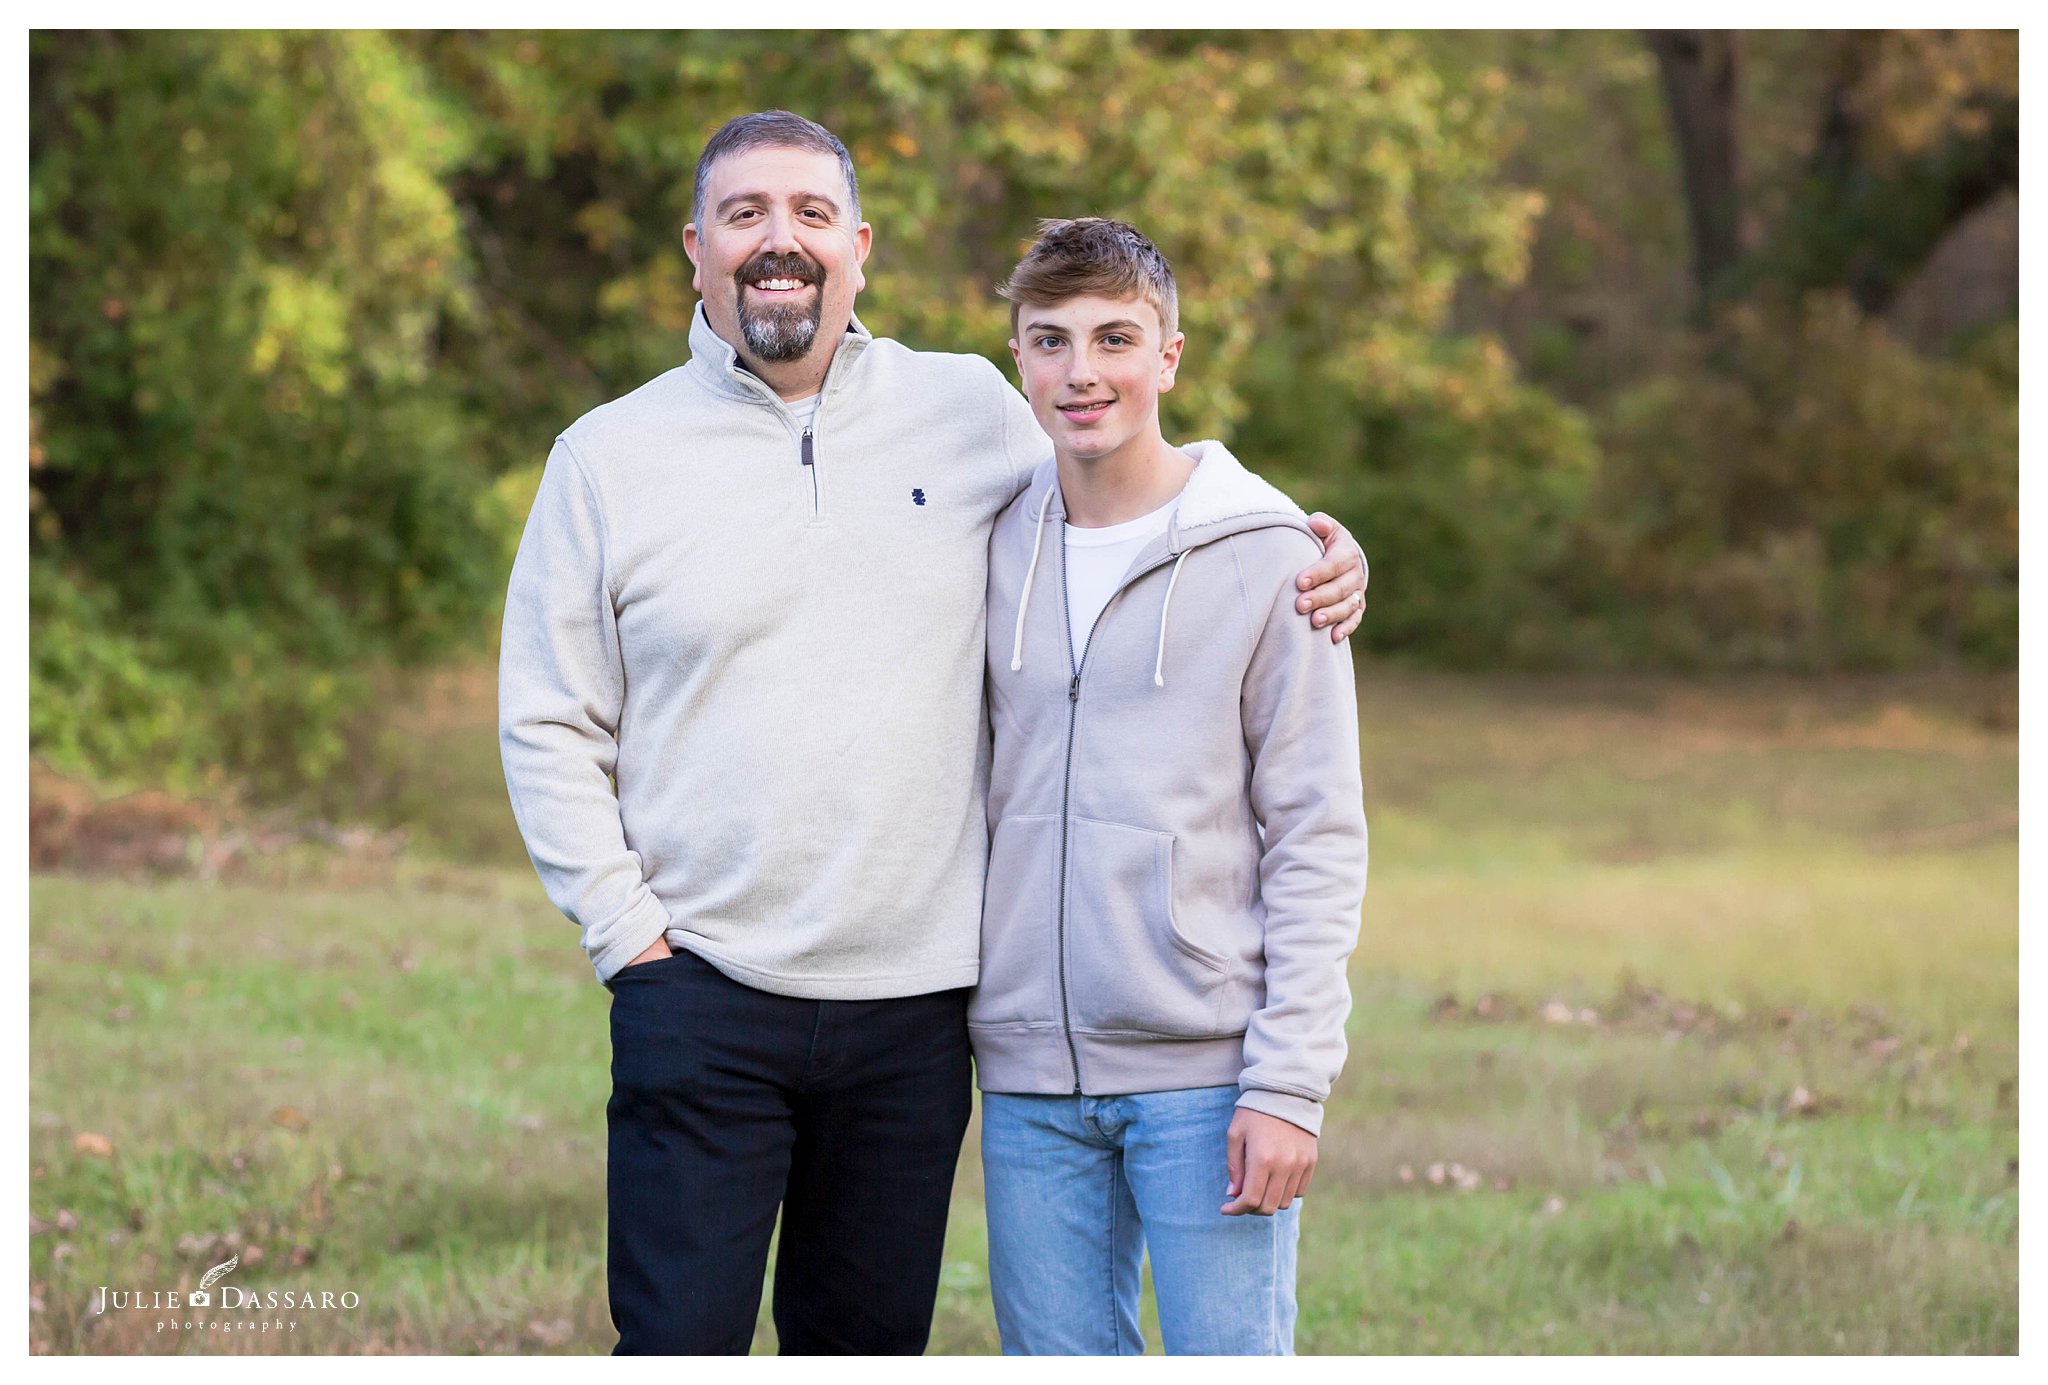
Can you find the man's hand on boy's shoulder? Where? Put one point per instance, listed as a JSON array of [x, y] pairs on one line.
[[1334, 587], [1270, 1163]]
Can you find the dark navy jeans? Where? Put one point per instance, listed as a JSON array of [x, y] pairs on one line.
[[729, 1103]]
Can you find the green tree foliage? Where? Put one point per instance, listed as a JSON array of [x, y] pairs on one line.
[[248, 474], [1805, 492], [306, 310]]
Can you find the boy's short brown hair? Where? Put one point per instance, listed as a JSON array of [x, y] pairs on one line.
[[1093, 255]]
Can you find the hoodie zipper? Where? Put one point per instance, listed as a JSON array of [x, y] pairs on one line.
[[1067, 783], [1067, 786]]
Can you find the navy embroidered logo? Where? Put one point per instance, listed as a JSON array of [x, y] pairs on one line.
[[917, 495]]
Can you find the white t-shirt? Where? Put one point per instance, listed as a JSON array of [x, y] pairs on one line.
[[805, 409], [1097, 560]]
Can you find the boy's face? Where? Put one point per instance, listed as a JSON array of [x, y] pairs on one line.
[[1093, 369]]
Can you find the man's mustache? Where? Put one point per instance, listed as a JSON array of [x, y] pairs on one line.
[[768, 265]]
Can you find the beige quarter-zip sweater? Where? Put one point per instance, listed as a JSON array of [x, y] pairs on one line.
[[740, 687]]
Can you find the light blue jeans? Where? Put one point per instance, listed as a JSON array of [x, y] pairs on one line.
[[1079, 1187]]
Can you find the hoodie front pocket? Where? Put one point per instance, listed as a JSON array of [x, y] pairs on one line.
[[1129, 968], [1020, 917]]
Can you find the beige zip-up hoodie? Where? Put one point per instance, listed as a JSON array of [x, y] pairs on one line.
[[1177, 853]]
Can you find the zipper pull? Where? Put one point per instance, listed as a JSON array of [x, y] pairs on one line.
[[809, 460], [1074, 689]]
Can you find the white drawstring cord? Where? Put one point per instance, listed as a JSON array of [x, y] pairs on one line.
[[1037, 542], [1159, 664]]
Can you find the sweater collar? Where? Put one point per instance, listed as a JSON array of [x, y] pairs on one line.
[[718, 363]]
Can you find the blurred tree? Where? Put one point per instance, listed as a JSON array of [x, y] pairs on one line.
[[246, 478], [306, 309], [1907, 133], [1701, 70], [1915, 131]]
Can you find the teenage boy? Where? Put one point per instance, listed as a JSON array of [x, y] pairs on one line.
[[1178, 847]]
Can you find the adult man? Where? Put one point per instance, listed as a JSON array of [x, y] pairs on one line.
[[766, 812]]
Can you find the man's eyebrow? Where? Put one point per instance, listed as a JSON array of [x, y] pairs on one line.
[[802, 199]]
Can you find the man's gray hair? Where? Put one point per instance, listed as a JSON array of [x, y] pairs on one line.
[[771, 130]]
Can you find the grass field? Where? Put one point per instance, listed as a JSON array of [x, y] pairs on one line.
[[1686, 1021]]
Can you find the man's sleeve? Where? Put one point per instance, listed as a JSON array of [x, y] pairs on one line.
[[1025, 444], [561, 685], [1300, 713]]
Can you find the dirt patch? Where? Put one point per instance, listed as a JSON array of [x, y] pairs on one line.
[[156, 835]]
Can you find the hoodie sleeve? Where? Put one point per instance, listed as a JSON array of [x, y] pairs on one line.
[[1300, 716], [561, 686]]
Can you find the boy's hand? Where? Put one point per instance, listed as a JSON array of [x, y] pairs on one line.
[[1334, 589], [1270, 1162]]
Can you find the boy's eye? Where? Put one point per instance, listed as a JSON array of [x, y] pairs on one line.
[[1115, 339], [1048, 343]]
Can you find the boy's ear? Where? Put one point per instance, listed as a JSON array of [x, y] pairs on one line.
[[1169, 361], [1017, 355]]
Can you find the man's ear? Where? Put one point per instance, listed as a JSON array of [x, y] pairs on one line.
[[1169, 361], [694, 248], [863, 242]]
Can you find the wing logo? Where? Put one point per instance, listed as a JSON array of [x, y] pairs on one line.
[[199, 1298]]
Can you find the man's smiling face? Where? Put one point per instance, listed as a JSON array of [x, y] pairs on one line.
[[777, 252]]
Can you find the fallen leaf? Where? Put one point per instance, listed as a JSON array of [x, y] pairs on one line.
[[67, 1220], [1557, 1012], [290, 1118], [1553, 1205], [1406, 1172], [552, 1333], [1802, 1101], [36, 1225], [93, 1143]]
